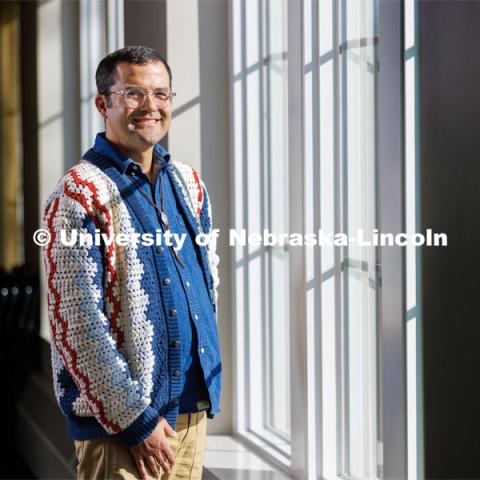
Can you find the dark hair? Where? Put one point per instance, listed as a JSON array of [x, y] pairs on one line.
[[136, 55]]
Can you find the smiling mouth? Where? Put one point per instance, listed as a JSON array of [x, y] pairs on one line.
[[146, 121]]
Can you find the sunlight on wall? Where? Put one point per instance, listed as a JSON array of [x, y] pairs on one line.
[[183, 56], [50, 114]]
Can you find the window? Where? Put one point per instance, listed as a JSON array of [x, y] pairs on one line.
[[359, 280], [309, 338], [260, 95]]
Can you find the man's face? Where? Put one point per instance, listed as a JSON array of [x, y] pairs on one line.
[[136, 128]]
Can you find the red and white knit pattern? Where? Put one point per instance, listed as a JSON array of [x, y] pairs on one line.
[[98, 318], [94, 335], [197, 192]]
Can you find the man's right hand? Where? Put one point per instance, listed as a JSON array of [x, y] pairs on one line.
[[155, 449]]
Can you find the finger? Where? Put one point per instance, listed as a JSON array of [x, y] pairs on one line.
[[152, 466], [161, 460], [141, 468], [169, 430], [168, 453], [158, 457]]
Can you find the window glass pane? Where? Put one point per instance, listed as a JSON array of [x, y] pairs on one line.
[[276, 148], [359, 282], [261, 196], [329, 308]]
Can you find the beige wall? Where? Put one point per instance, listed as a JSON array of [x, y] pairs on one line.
[[58, 93], [197, 51], [50, 114]]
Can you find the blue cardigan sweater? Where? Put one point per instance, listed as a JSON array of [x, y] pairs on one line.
[[110, 319]]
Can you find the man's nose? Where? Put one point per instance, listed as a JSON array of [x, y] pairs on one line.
[[150, 103]]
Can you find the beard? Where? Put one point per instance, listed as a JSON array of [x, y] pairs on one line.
[[149, 133]]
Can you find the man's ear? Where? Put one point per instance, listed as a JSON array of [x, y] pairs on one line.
[[101, 104]]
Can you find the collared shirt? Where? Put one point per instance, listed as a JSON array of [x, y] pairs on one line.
[[187, 283]]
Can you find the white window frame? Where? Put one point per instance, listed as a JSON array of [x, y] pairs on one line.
[[413, 314]]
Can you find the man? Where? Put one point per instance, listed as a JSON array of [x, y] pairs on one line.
[[135, 351]]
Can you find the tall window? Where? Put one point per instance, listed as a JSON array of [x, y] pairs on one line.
[[308, 325], [260, 95], [359, 318]]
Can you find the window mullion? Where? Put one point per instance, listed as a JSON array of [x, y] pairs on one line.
[[297, 283]]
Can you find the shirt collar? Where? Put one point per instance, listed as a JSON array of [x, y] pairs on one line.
[[162, 155], [107, 149]]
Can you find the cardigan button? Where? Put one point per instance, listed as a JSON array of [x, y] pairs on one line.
[[159, 249], [175, 401], [176, 343], [176, 373], [166, 281], [172, 312]]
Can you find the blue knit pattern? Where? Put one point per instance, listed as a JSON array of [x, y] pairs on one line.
[[108, 314]]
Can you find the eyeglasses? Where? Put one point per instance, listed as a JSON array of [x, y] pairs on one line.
[[135, 97]]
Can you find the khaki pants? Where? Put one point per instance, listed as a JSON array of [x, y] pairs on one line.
[[108, 458]]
